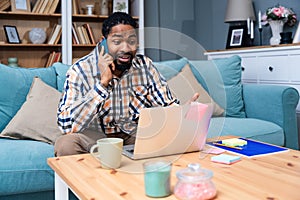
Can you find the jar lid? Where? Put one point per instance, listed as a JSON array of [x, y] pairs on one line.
[[12, 59], [194, 173]]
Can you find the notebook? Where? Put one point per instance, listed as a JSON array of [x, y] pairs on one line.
[[170, 130]]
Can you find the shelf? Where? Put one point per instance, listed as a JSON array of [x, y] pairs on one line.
[[32, 16], [95, 16], [28, 16], [83, 45], [29, 45], [28, 54]]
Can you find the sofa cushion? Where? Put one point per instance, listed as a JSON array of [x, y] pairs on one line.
[[24, 166], [222, 79], [184, 85], [36, 119], [15, 83], [61, 71], [170, 68], [257, 129]]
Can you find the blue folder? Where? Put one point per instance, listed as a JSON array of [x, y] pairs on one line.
[[253, 148]]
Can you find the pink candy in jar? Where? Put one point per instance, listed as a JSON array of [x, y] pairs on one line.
[[194, 183]]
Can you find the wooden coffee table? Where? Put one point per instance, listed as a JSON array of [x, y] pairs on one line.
[[275, 176]]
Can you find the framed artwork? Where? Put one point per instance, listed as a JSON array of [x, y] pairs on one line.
[[12, 35], [20, 6], [121, 6], [238, 37]]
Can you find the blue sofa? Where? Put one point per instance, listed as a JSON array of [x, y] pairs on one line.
[[262, 112]]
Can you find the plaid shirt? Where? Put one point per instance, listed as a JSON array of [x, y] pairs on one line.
[[116, 108]]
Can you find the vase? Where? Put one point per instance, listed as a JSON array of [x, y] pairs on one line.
[[276, 27]]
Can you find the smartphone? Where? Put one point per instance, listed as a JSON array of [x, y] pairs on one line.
[[104, 43]]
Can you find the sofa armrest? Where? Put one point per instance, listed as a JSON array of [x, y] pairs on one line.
[[274, 103]]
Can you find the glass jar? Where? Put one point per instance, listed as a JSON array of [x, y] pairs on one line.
[[12, 62], [194, 183]]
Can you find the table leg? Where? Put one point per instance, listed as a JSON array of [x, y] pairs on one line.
[[61, 189]]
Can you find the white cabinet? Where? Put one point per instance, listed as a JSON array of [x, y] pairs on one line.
[[270, 68], [267, 64], [249, 69]]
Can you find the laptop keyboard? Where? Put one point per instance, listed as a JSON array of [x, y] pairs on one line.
[[129, 148]]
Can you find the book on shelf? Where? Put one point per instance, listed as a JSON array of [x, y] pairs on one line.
[[53, 58], [55, 34], [50, 58], [75, 35], [57, 38], [52, 7], [85, 35], [4, 4], [90, 33], [57, 57], [80, 35], [36, 6], [48, 6], [45, 6]]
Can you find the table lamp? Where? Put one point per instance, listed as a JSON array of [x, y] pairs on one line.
[[240, 15]]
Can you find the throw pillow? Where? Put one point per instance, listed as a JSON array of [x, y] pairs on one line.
[[184, 85], [61, 71], [170, 68], [222, 79], [36, 119], [15, 83]]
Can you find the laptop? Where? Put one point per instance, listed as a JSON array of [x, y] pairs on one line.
[[170, 130]]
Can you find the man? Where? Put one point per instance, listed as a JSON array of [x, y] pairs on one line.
[[111, 88]]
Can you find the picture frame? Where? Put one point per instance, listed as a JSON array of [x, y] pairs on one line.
[[20, 6], [121, 6], [238, 37], [12, 35]]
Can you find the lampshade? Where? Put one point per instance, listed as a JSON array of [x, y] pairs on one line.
[[239, 10]]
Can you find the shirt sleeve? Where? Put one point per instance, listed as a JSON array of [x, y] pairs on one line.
[[81, 100], [160, 93]]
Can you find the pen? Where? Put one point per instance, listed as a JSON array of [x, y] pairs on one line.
[[223, 145]]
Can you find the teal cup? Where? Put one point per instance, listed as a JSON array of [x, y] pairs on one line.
[[157, 178]]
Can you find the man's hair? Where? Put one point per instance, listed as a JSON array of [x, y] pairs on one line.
[[115, 19]]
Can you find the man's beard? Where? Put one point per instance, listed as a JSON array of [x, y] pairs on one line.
[[123, 66]]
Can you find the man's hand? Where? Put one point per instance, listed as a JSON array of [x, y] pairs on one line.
[[106, 66], [194, 98]]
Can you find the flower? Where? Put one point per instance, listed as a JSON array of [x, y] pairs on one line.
[[278, 12]]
